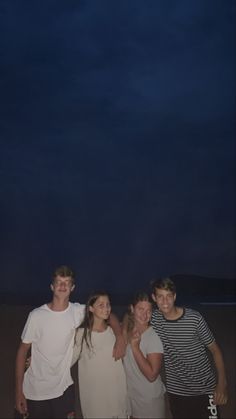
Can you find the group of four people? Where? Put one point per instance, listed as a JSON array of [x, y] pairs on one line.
[[119, 367]]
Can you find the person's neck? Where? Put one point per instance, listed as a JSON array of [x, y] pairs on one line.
[[99, 325], [58, 304], [174, 314]]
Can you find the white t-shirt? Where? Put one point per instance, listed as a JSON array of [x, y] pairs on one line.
[[51, 334]]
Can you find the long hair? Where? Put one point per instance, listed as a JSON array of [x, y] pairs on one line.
[[88, 322]]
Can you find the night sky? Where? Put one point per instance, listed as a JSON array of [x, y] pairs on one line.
[[117, 141]]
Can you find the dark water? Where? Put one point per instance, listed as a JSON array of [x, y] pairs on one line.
[[191, 290]]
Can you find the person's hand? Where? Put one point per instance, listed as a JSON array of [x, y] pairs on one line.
[[21, 404], [119, 348], [220, 394], [27, 362], [135, 338]]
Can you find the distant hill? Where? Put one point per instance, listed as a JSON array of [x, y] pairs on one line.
[[198, 288], [195, 289]]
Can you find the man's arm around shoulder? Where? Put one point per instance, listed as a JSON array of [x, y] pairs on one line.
[[120, 346]]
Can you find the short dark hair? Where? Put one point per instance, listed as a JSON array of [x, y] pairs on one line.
[[164, 284], [64, 271]]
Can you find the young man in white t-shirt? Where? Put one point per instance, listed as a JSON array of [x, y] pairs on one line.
[[46, 389]]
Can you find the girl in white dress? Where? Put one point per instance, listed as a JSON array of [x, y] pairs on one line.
[[102, 382], [143, 361]]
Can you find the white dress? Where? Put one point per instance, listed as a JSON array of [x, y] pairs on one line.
[[102, 381]]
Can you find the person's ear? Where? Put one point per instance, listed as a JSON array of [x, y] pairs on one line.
[[174, 296], [91, 309], [131, 308], [52, 287], [72, 288], [154, 297]]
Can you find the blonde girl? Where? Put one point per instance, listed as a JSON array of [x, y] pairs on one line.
[[143, 362]]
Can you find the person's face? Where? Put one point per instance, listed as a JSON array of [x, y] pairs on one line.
[[164, 299], [142, 312], [101, 309], [62, 286]]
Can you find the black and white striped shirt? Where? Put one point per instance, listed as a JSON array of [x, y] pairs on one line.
[[187, 367]]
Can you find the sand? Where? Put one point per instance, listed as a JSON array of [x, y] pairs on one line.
[[221, 318]]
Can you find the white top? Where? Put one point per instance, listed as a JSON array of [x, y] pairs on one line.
[[102, 382], [51, 334], [138, 385]]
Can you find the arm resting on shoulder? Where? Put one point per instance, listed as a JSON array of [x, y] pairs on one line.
[[21, 404], [120, 346], [124, 327], [77, 347], [220, 393]]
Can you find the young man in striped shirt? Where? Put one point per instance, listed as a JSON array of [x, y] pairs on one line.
[[193, 389]]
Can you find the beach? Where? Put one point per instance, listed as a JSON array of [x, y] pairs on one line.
[[221, 319]]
